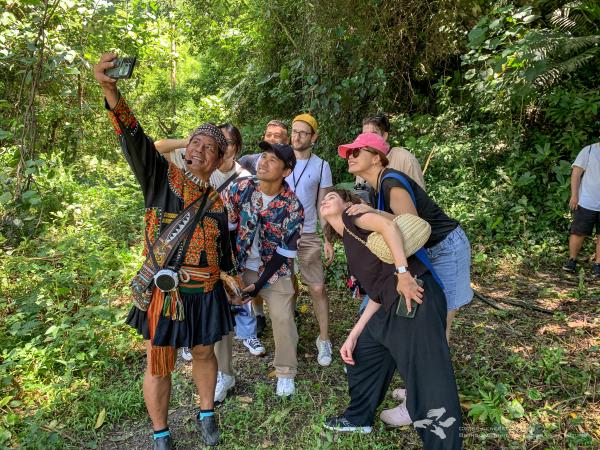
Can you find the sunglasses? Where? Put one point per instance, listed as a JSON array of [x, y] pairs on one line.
[[356, 151]]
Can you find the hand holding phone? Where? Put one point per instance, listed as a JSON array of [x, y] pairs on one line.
[[123, 68], [402, 309]]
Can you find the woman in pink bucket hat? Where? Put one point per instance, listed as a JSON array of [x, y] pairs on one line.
[[446, 254]]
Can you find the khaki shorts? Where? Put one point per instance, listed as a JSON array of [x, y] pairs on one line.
[[309, 256]]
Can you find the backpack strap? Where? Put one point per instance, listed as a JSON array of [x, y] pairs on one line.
[[227, 182], [319, 184], [420, 254], [405, 183]]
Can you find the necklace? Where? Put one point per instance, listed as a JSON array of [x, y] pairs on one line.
[[194, 179], [301, 173]]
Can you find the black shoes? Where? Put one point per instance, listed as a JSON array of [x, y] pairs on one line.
[[342, 424], [570, 265], [210, 431], [163, 443]]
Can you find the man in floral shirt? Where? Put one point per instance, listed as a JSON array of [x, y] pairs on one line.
[[268, 217]]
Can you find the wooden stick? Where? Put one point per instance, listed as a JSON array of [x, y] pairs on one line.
[[519, 303], [488, 301], [428, 160]]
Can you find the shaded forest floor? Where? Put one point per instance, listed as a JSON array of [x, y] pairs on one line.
[[536, 373]]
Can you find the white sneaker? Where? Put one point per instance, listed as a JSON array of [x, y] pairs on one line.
[[324, 356], [224, 383], [399, 394], [254, 346], [285, 387], [186, 354]]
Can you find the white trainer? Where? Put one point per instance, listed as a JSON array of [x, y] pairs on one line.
[[224, 383], [285, 387], [324, 356], [399, 394], [186, 354], [254, 346]]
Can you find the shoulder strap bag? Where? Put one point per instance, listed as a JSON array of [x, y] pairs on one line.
[[161, 252]]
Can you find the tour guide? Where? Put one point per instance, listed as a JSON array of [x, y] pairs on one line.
[[195, 314]]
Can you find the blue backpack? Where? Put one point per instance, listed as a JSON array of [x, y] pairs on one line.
[[420, 254]]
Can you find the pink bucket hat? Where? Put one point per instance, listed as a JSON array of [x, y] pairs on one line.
[[372, 140]]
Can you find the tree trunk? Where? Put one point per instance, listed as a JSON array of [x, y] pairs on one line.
[[28, 140]]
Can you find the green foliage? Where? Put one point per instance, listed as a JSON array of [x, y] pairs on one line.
[[511, 60], [51, 109], [62, 338], [497, 97], [494, 407], [339, 60]]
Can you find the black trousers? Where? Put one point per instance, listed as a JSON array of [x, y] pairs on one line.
[[419, 350]]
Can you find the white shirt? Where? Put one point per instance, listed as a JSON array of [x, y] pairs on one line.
[[253, 262], [176, 157], [217, 178], [589, 189], [305, 181]]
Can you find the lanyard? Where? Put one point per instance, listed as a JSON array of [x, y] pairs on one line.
[[301, 173]]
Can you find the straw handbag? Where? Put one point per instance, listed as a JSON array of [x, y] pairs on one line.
[[415, 233]]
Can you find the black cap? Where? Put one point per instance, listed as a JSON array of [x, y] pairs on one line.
[[284, 152]]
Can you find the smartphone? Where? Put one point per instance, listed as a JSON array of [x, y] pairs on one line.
[[402, 310], [123, 68]]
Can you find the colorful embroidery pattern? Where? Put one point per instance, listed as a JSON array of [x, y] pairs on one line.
[[122, 113], [169, 217], [205, 237], [276, 224], [152, 222], [176, 180], [165, 200]]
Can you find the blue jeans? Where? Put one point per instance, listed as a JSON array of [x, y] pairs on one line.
[[363, 305], [451, 260], [245, 321]]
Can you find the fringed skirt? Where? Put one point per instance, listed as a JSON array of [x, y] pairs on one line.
[[206, 319]]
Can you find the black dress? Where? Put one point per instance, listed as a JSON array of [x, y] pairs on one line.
[[167, 191]]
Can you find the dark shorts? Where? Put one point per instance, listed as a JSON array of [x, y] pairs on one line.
[[584, 221]]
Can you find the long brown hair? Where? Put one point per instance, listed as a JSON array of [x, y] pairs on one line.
[[347, 196]]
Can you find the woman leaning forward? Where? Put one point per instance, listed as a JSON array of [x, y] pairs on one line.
[[384, 340]]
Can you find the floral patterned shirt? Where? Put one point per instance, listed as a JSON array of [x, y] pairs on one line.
[[277, 225]]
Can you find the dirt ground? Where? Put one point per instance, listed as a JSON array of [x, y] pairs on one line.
[[548, 362]]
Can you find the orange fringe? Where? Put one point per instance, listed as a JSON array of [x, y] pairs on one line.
[[162, 359]]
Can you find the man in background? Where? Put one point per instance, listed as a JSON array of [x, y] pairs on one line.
[[276, 132], [399, 157], [585, 204], [311, 179]]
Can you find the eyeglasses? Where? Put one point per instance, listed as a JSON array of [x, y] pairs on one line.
[[356, 151], [301, 134]]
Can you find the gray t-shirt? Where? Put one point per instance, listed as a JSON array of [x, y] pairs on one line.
[[589, 190], [306, 180]]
